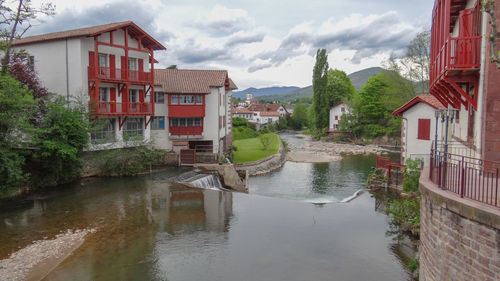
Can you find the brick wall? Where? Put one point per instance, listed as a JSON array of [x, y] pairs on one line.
[[454, 247]]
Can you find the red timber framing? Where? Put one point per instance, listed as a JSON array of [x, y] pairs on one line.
[[455, 61], [123, 78]]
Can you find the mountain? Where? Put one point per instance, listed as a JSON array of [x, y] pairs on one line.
[[269, 91], [358, 79]]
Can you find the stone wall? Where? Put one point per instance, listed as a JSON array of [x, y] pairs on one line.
[[265, 165], [460, 238]]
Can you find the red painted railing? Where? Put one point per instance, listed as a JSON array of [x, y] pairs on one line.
[[468, 177], [124, 108], [117, 74], [459, 53]]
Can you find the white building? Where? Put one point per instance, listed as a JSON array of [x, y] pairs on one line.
[[110, 67], [193, 110], [336, 113], [418, 129], [242, 112]]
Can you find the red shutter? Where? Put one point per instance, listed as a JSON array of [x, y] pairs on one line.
[[112, 66], [91, 58], [141, 69], [124, 67], [112, 98], [91, 72], [424, 129], [336, 117], [141, 96]]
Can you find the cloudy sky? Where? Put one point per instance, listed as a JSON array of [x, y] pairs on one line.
[[260, 42]]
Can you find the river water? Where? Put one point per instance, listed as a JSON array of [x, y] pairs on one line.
[[291, 226]]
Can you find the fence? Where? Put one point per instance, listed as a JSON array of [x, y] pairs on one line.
[[469, 177]]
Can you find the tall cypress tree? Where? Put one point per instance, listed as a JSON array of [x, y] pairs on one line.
[[320, 98]]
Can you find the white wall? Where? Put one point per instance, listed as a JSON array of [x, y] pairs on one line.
[[413, 147], [337, 111]]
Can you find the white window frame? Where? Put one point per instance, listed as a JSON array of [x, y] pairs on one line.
[[155, 124], [103, 94], [159, 100], [133, 64], [133, 95], [104, 134], [103, 58], [134, 127]]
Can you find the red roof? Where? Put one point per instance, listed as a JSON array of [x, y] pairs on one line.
[[336, 105], [265, 107], [241, 110], [187, 81], [269, 113], [133, 30], [425, 98]]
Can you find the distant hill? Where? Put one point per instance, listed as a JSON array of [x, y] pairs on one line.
[[358, 79], [269, 91]]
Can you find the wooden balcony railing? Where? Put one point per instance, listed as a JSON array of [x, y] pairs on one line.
[[124, 108], [108, 73], [460, 53]]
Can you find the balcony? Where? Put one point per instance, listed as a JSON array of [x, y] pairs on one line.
[[456, 56], [123, 109], [469, 177], [117, 74]]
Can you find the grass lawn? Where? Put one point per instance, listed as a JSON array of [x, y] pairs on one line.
[[249, 150]]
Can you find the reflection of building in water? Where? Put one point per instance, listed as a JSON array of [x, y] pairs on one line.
[[183, 209]]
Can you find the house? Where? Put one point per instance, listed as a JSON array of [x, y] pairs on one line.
[[242, 112], [193, 110], [336, 112], [459, 188], [418, 131], [269, 108], [110, 67]]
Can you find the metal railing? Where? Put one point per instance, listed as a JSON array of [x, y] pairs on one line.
[[469, 177]]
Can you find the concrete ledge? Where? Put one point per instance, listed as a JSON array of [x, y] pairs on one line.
[[470, 209]]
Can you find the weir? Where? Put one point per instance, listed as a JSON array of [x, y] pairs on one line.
[[197, 178]]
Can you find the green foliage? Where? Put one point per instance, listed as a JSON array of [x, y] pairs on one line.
[[374, 104], [239, 122], [320, 95], [412, 172], [240, 133], [59, 141], [282, 124], [266, 140], [339, 88], [414, 265], [16, 104], [285, 145], [406, 213], [298, 120], [129, 161]]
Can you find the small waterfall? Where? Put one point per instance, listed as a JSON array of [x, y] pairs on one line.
[[199, 179]]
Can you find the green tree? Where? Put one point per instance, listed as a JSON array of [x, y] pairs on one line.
[[59, 141], [266, 140], [299, 117], [320, 95], [339, 88], [282, 123], [16, 103]]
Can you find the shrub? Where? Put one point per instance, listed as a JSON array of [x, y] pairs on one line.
[[240, 133], [266, 140], [406, 213], [412, 172], [239, 121], [129, 162]]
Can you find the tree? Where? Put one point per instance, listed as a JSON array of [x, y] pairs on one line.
[[299, 117], [320, 81], [266, 140], [339, 88], [282, 123], [16, 103], [17, 20]]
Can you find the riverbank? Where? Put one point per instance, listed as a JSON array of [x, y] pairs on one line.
[[311, 151], [37, 260]]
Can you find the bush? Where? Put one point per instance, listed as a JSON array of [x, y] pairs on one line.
[[130, 162], [266, 140], [412, 172], [406, 213], [239, 121], [282, 124], [240, 133]]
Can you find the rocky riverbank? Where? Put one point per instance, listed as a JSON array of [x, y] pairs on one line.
[[35, 261], [321, 151]]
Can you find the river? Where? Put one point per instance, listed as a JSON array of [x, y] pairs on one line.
[[291, 226]]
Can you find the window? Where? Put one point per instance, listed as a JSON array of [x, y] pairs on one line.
[[187, 99], [158, 123], [199, 99], [159, 97], [31, 63], [103, 60], [133, 96], [185, 122], [175, 99], [336, 117], [424, 129], [133, 128], [103, 132], [132, 64], [103, 94]]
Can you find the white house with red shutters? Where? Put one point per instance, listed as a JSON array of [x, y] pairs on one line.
[[418, 129], [193, 110], [336, 113], [109, 66]]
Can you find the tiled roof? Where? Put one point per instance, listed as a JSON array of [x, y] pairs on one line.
[[134, 31], [425, 98], [269, 113], [337, 105], [241, 110], [232, 86], [184, 81], [264, 107]]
